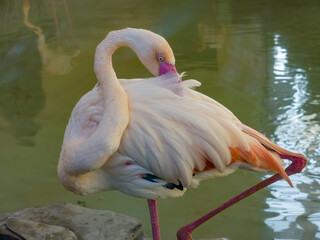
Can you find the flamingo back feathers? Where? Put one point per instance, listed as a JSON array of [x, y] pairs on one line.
[[216, 139]]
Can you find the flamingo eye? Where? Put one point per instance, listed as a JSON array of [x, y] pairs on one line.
[[160, 58]]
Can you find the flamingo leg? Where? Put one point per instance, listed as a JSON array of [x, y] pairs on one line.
[[296, 166], [66, 9], [56, 21], [154, 219]]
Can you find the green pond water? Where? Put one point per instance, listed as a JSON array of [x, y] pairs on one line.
[[261, 59]]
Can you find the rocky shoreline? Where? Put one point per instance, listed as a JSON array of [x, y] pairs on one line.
[[69, 222]]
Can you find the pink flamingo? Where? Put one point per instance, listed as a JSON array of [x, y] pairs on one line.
[[156, 138]]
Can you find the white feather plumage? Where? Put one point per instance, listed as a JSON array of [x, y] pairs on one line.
[[163, 138]]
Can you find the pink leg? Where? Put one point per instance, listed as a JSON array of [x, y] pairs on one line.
[[296, 166], [154, 219]]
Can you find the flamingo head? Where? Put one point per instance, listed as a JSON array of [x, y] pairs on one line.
[[153, 51], [161, 60]]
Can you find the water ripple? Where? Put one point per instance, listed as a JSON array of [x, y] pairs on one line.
[[298, 130]]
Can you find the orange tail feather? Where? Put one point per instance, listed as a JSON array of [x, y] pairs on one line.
[[259, 157]]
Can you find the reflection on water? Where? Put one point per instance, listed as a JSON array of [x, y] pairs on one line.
[[57, 60], [21, 98], [21, 92], [260, 59], [298, 129], [210, 35]]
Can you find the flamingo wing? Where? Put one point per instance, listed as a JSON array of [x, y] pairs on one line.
[[177, 134]]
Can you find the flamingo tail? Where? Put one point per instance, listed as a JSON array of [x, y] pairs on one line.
[[263, 154]]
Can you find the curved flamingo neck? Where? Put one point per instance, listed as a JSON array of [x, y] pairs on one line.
[[103, 58], [90, 153]]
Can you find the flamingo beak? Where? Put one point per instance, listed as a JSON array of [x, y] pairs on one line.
[[166, 67]]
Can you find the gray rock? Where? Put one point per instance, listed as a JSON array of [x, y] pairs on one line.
[[34, 230], [68, 222]]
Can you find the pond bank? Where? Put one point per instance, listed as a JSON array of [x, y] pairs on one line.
[[68, 221]]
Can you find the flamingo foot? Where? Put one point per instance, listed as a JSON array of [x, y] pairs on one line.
[[298, 163]]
